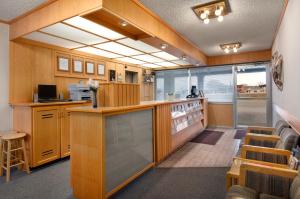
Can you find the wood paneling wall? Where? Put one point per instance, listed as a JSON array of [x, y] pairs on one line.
[[119, 94], [32, 64], [163, 132], [247, 57], [220, 115]]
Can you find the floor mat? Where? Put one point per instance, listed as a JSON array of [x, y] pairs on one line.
[[240, 134], [208, 137]]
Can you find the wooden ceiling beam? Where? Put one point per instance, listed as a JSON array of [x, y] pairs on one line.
[[133, 12], [56, 11]]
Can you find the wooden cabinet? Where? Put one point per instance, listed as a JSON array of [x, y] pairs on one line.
[[47, 128], [46, 135], [65, 133]]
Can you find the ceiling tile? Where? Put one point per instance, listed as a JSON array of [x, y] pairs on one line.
[[165, 56], [139, 45], [151, 65], [166, 64], [130, 60], [99, 52], [92, 27], [41, 37], [74, 34], [118, 48], [148, 58], [181, 62]]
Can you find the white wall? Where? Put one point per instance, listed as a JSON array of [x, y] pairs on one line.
[[287, 43], [5, 110]]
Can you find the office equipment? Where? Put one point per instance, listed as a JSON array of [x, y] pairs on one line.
[[79, 92], [193, 92], [46, 92]]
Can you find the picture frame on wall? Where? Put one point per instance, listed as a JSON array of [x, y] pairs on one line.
[[101, 69], [63, 63], [77, 66], [90, 68]]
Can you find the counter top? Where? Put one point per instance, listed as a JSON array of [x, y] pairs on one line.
[[143, 104], [33, 104]]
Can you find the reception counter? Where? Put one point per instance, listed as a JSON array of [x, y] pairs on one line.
[[111, 146]]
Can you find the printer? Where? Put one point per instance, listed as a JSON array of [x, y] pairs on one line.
[[79, 92]]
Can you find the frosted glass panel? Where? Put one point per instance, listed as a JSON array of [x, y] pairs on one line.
[[138, 45], [98, 52], [129, 146], [73, 34], [118, 48], [41, 37]]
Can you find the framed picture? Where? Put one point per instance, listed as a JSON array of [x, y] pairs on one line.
[[77, 66], [101, 69], [90, 68], [63, 63]]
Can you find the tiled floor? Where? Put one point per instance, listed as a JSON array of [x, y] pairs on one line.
[[203, 155]]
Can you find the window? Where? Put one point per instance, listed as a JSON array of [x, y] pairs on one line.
[[216, 82], [174, 82]]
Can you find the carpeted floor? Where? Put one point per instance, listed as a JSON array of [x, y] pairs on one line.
[[52, 182]]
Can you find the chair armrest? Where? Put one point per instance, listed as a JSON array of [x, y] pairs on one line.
[[243, 160], [260, 128], [259, 149], [267, 170], [261, 137]]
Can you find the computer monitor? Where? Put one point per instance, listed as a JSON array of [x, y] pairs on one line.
[[47, 91]]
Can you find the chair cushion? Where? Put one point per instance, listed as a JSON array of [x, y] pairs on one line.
[[288, 139], [279, 126], [240, 192], [267, 196]]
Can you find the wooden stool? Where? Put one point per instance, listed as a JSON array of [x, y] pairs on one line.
[[12, 145], [2, 134]]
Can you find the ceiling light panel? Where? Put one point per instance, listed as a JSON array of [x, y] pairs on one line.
[[151, 65], [130, 60], [165, 56], [166, 64], [139, 45], [99, 52], [92, 27], [118, 48], [68, 32], [148, 58], [41, 37], [181, 62]]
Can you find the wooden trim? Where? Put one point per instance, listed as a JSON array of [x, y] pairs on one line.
[[44, 4], [246, 148], [3, 21], [292, 120], [260, 128], [247, 57], [261, 137], [280, 20], [126, 182], [41, 17]]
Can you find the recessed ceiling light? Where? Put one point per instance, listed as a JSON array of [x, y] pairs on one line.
[[183, 57], [164, 46], [124, 23]]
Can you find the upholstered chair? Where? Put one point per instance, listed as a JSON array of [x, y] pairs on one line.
[[279, 126], [265, 182]]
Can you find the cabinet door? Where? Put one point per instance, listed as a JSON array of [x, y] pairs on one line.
[[65, 134], [46, 136]]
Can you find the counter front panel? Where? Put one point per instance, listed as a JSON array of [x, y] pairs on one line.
[[128, 146]]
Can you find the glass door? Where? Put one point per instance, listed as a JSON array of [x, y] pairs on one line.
[[252, 95]]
